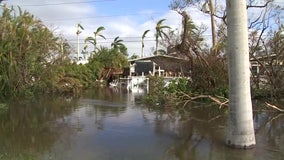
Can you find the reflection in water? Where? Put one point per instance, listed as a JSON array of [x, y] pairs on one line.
[[27, 130], [108, 124]]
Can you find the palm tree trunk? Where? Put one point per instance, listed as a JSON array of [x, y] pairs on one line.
[[142, 49], [157, 44], [240, 130], [213, 26], [78, 47]]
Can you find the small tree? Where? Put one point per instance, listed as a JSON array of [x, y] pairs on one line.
[[107, 60]]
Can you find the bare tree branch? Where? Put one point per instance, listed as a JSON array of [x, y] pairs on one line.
[[259, 6], [274, 107], [221, 101]]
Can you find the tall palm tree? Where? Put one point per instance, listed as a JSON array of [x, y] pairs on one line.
[[93, 40], [240, 131], [142, 40], [160, 32], [79, 28]]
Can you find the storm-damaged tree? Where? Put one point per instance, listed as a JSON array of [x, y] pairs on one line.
[[263, 17], [266, 51], [209, 70], [207, 7]]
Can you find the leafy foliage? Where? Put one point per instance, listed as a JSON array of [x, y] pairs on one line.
[[165, 94], [33, 60], [27, 49], [156, 96], [107, 59]]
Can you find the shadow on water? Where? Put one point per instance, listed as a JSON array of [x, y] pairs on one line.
[[112, 124]]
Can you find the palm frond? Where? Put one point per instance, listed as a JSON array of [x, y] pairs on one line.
[[101, 28], [163, 34], [144, 34], [102, 36], [163, 27], [80, 26], [116, 38], [160, 22], [89, 38]]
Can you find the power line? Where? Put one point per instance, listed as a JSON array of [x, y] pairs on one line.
[[115, 37], [64, 3], [123, 38], [134, 14], [126, 41], [149, 38]]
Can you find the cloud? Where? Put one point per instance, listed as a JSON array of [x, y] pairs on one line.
[[130, 27]]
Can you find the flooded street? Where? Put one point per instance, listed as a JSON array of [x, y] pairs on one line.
[[110, 124]]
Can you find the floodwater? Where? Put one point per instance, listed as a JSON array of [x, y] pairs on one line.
[[109, 124]]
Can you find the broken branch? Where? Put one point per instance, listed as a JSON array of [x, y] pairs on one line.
[[274, 107]]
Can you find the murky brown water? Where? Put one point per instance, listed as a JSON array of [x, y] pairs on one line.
[[113, 125]]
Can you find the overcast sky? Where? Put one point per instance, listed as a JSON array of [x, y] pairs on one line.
[[127, 19]]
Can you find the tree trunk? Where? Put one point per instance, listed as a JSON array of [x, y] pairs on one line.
[[213, 27], [240, 129]]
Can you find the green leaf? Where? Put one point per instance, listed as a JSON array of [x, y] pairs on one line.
[[144, 34], [102, 36], [101, 28], [80, 26]]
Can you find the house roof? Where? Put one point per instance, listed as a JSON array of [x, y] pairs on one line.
[[168, 63]]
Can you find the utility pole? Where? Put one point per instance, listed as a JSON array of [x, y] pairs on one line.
[[240, 129]]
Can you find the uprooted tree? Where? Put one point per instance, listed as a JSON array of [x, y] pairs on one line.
[[209, 66]]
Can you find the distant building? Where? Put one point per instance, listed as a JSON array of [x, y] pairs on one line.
[[259, 63], [162, 65]]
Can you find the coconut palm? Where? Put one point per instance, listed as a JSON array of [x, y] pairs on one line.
[[119, 46], [160, 32], [142, 40], [240, 131], [79, 31], [93, 40], [117, 43]]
